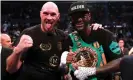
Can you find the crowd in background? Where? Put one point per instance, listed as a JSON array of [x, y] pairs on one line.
[[115, 16]]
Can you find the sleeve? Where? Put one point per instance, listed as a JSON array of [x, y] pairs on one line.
[[109, 44], [101, 49], [97, 45]]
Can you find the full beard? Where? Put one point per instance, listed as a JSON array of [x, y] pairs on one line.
[[49, 28]]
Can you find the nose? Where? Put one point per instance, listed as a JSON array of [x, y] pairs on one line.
[[80, 19], [49, 17], [12, 43]]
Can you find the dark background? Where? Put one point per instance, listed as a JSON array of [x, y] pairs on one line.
[[116, 16]]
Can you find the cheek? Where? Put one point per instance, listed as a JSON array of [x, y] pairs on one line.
[[43, 18], [73, 21], [55, 19], [88, 18]]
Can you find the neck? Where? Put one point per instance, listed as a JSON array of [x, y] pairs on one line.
[[122, 47], [88, 31], [85, 33]]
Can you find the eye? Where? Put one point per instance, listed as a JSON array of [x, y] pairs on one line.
[[53, 14], [45, 13]]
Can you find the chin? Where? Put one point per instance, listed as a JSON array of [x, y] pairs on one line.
[[81, 28]]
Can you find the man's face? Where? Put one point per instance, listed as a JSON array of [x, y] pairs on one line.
[[121, 43], [81, 20], [49, 17], [6, 42]]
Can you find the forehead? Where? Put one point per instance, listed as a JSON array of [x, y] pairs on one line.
[[50, 10], [50, 7], [121, 41], [5, 37]]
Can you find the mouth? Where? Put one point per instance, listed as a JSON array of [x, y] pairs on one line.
[[48, 25], [79, 26]]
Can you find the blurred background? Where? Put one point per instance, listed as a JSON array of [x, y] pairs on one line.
[[117, 16]]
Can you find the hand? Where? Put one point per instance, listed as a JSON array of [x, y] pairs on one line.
[[24, 43], [83, 72], [96, 26], [67, 77], [70, 57]]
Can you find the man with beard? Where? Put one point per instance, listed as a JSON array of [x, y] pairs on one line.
[[101, 41], [39, 48]]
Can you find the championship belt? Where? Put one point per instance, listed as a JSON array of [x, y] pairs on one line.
[[85, 57]]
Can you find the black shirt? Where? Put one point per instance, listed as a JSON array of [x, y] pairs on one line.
[[5, 53], [42, 60], [106, 39]]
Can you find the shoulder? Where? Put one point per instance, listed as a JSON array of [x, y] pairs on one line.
[[31, 31], [103, 35], [62, 33], [103, 32], [126, 49], [6, 51], [32, 28]]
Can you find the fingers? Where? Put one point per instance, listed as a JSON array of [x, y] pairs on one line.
[[70, 57], [96, 26], [25, 43], [75, 66]]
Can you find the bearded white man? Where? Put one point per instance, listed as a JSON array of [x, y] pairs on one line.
[[88, 46], [39, 48]]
